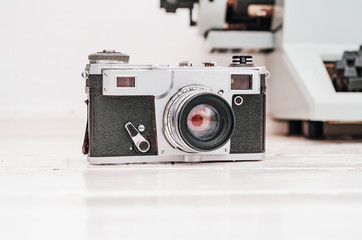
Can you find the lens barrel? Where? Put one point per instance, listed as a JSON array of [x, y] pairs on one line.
[[198, 120]]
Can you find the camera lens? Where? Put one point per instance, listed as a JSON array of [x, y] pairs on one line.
[[197, 119], [203, 122], [206, 122]]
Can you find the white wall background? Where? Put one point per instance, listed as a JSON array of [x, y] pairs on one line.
[[44, 48]]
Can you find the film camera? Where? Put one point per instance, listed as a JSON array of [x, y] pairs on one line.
[[156, 113]]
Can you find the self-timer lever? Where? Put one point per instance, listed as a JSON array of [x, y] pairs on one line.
[[139, 141]]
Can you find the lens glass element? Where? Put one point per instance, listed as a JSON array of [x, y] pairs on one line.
[[203, 122]]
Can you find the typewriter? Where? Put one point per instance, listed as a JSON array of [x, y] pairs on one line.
[[311, 48]]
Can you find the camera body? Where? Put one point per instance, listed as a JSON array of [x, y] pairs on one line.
[[157, 113]]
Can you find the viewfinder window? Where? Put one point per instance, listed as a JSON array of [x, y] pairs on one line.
[[241, 81], [126, 82]]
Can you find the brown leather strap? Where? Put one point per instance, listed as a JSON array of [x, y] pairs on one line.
[[85, 148]]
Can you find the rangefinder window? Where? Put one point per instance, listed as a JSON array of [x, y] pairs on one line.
[[241, 81], [126, 82]]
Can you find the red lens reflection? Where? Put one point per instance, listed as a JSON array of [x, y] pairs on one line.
[[197, 120], [203, 121]]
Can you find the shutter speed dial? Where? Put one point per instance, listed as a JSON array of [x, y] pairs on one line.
[[142, 145]]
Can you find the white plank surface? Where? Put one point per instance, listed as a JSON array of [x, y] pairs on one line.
[[303, 190]]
